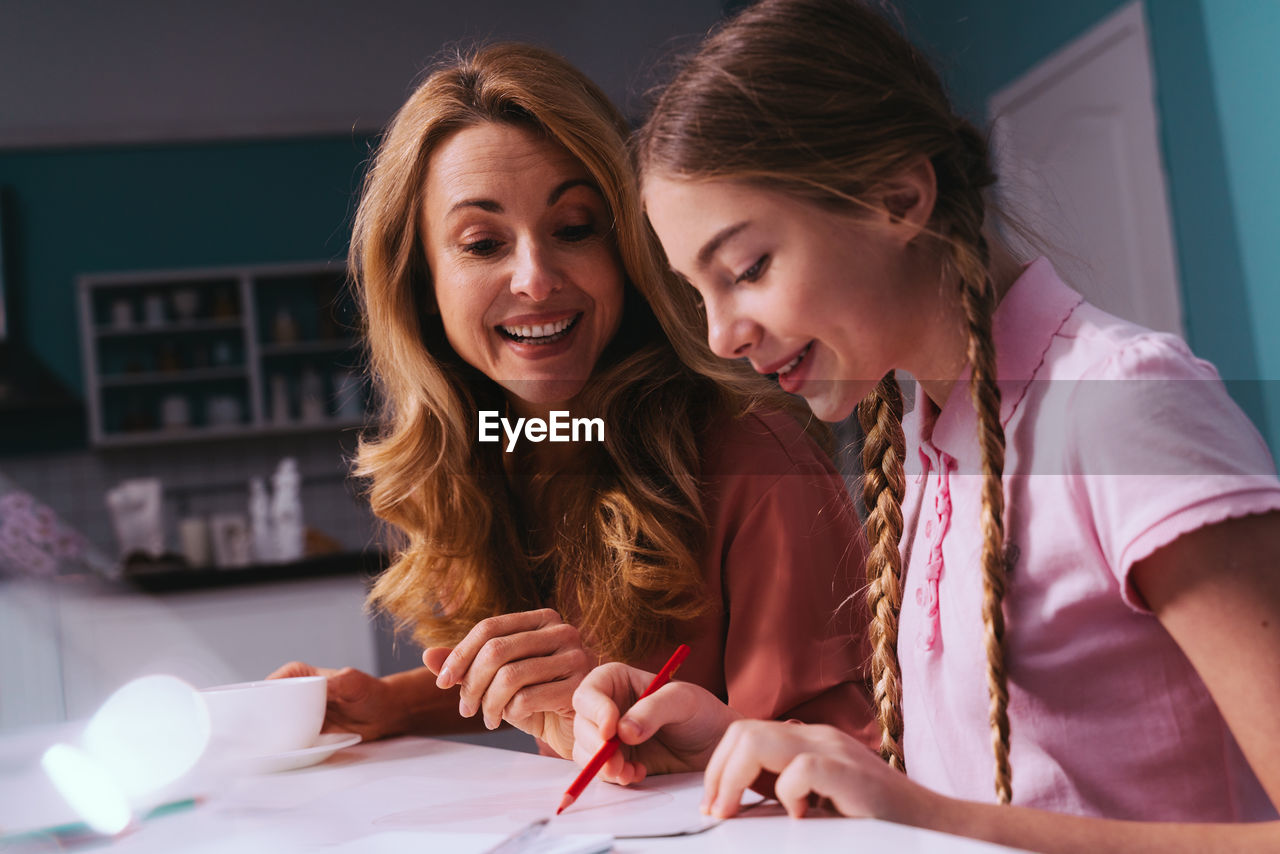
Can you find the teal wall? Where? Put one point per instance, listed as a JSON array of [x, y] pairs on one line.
[[1242, 37], [96, 210], [1216, 73]]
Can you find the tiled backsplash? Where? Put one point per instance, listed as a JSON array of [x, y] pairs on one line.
[[201, 478]]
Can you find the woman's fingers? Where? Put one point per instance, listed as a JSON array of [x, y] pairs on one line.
[[506, 664], [292, 669], [459, 662], [529, 686], [433, 658]]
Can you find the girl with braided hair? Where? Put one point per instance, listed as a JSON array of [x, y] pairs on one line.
[[1073, 535]]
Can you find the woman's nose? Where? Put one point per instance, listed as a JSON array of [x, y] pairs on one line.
[[730, 334], [534, 275]]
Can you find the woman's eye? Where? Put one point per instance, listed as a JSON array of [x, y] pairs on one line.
[[575, 233], [753, 272], [487, 246]]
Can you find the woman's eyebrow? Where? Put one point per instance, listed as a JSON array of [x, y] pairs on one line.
[[483, 204], [492, 206], [565, 187]]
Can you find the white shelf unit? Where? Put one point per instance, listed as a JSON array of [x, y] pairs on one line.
[[185, 355]]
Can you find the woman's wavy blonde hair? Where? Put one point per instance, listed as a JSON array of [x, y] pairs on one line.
[[826, 100], [626, 527]]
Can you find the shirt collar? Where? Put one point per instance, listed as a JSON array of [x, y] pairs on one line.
[[1022, 328]]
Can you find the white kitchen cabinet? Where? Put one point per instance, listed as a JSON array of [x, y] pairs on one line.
[[80, 640]]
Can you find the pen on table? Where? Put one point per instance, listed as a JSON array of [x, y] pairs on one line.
[[611, 746]]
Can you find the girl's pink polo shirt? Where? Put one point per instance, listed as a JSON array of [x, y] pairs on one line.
[[1119, 440]]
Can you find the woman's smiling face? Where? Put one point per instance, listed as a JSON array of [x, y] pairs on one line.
[[828, 302], [526, 276]]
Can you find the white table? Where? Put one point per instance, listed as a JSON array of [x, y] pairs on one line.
[[400, 795]]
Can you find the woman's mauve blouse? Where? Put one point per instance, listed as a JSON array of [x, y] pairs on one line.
[[784, 554]]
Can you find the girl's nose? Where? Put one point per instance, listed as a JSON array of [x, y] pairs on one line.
[[730, 334]]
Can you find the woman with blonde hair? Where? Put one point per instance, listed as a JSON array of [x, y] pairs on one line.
[[505, 272], [1074, 535]]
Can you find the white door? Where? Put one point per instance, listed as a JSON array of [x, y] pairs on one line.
[[1079, 162]]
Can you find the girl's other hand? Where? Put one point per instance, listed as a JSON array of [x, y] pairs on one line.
[[809, 759], [521, 668], [673, 729]]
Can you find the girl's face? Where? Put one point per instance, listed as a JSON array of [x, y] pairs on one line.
[[527, 279], [828, 302]]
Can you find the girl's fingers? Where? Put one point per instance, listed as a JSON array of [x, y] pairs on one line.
[[711, 778], [672, 704], [739, 771], [596, 713], [806, 774], [605, 690], [459, 661]]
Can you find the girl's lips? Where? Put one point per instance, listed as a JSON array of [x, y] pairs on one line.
[[793, 379]]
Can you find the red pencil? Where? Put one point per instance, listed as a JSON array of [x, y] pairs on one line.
[[610, 747]]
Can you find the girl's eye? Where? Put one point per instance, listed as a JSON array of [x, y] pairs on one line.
[[486, 246], [575, 233], [753, 272]]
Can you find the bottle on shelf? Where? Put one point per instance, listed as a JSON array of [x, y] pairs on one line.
[[286, 510], [261, 533]]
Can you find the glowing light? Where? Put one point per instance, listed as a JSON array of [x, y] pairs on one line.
[[89, 787], [149, 733], [146, 735]]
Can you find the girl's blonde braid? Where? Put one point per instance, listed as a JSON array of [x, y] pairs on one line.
[[880, 415], [978, 301]]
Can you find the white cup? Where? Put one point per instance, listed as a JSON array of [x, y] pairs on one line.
[[251, 719]]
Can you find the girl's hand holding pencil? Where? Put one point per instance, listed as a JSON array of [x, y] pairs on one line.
[[676, 728]]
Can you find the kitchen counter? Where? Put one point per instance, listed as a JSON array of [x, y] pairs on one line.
[[175, 576]]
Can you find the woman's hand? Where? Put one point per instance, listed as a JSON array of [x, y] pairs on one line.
[[357, 702], [673, 729], [521, 668], [816, 760]]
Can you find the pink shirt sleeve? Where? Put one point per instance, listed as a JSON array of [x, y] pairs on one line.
[[1162, 450], [792, 556]]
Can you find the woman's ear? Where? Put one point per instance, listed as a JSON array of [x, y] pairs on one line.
[[908, 199]]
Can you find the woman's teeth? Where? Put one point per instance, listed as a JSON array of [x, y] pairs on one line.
[[541, 333], [790, 366]]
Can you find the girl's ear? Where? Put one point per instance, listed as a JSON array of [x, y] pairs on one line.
[[908, 199]]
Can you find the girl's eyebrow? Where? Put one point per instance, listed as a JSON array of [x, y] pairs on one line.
[[712, 246]]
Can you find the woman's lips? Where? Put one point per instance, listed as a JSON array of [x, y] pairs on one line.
[[540, 337]]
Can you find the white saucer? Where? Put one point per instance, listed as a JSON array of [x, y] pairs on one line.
[[326, 745]]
